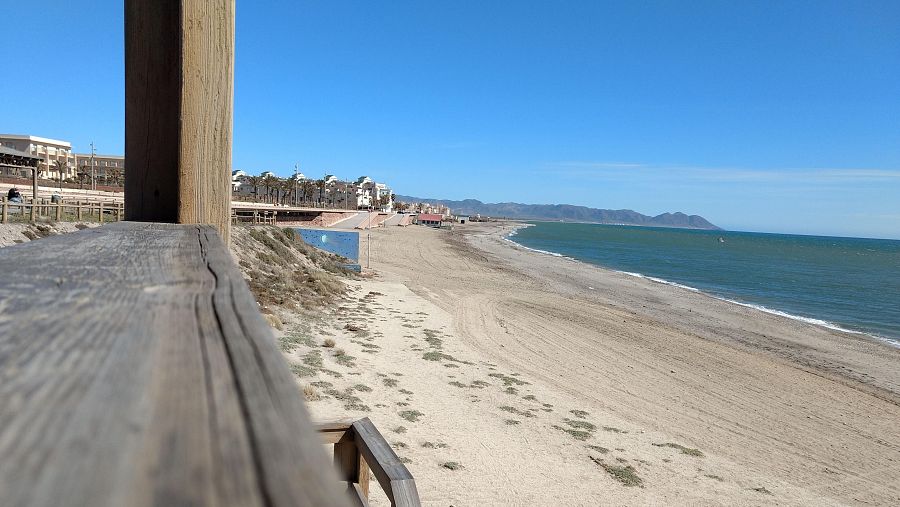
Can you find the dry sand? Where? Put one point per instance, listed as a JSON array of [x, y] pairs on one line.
[[539, 376]]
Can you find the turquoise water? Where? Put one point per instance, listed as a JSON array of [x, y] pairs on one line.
[[850, 283]]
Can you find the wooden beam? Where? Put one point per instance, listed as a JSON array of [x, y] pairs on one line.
[[135, 379], [392, 474], [179, 75]]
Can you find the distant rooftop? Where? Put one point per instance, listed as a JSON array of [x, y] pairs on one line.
[[35, 139]]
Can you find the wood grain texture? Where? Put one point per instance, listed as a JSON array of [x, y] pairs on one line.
[[140, 372], [392, 474], [179, 75]]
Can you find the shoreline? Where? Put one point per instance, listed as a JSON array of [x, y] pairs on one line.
[[893, 342], [502, 376]]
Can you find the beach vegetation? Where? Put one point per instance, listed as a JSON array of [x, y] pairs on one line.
[[301, 370], [508, 380], [451, 465], [361, 388], [574, 433], [389, 382], [684, 450], [714, 477], [581, 425], [613, 429], [399, 429], [310, 393], [511, 422], [598, 448], [433, 445], [405, 391], [514, 410], [761, 489], [581, 414], [328, 343], [411, 415], [626, 475]]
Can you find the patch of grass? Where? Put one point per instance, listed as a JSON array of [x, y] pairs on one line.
[[324, 384], [581, 414], [362, 388], [511, 422], [529, 397], [761, 489], [411, 415], [459, 384], [581, 425], [302, 370], [508, 380], [405, 460], [624, 474], [511, 390], [714, 477], [313, 359], [290, 341], [600, 449], [433, 356], [344, 359], [480, 383], [576, 434], [328, 343], [451, 465], [405, 391], [399, 429], [612, 429], [432, 445], [451, 365], [684, 450], [514, 410], [389, 382], [399, 445]]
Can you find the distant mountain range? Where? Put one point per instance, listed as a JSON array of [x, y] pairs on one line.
[[567, 213]]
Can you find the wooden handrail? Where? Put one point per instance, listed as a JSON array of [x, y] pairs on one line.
[[359, 447], [137, 370]]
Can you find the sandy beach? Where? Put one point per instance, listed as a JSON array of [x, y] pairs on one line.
[[509, 377]]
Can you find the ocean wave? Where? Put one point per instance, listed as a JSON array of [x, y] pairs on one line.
[[807, 320]]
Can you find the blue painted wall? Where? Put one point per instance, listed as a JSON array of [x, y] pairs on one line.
[[343, 243]]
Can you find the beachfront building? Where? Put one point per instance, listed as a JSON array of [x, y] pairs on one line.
[[17, 164], [104, 169], [56, 160], [429, 219]]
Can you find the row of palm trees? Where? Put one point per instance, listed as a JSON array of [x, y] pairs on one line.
[[288, 191]]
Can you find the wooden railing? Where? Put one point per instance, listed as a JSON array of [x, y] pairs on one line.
[[137, 370], [358, 448], [102, 211]]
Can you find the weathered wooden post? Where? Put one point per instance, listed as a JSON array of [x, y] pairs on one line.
[[100, 213], [59, 205], [179, 74], [78, 210], [5, 211]]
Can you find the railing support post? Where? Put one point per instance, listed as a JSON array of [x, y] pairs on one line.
[[179, 74]]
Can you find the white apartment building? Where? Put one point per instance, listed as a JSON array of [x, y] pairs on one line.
[[52, 153], [106, 169]]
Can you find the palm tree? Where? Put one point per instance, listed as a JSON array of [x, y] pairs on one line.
[[308, 187], [321, 185], [269, 181], [62, 166], [114, 174], [256, 181]]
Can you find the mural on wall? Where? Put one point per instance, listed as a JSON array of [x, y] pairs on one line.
[[343, 243]]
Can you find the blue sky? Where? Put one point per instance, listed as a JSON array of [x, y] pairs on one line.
[[769, 116]]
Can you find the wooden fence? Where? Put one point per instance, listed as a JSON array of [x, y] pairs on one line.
[[358, 448], [101, 211]]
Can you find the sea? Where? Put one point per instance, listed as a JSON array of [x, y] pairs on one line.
[[850, 284]]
